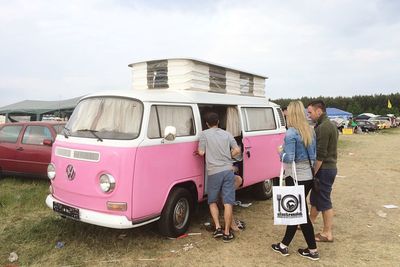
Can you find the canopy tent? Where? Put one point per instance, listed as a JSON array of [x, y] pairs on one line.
[[36, 108], [338, 113]]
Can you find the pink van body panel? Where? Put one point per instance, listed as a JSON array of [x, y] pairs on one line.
[[145, 187], [158, 169], [263, 162], [84, 190]]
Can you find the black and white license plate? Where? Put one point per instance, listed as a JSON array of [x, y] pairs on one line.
[[66, 210]]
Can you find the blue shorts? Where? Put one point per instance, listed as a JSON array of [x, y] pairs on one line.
[[322, 199], [224, 183]]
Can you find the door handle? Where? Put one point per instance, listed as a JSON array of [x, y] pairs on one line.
[[20, 148], [248, 153]]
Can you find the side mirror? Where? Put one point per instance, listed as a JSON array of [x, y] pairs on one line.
[[170, 133], [47, 142]]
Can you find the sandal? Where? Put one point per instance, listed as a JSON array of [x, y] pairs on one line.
[[321, 238]]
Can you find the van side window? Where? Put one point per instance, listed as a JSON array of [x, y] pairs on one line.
[[181, 117], [157, 74], [34, 135], [9, 134], [281, 117], [258, 119]]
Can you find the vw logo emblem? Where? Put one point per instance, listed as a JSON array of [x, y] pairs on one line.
[[70, 172]]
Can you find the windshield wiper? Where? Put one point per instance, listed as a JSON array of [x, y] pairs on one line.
[[92, 132], [66, 132]]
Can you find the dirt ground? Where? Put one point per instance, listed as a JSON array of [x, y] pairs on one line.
[[365, 233]]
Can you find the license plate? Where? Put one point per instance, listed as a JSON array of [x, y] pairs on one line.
[[66, 210]]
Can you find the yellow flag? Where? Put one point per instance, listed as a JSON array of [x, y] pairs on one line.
[[389, 104]]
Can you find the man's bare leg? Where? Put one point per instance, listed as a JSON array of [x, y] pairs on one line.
[[215, 214], [327, 215], [228, 216], [238, 183]]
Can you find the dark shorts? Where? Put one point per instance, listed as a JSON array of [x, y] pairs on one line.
[[322, 199], [224, 183]]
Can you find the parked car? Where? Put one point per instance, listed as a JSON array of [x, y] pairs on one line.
[[389, 120], [367, 126], [25, 147], [381, 124]]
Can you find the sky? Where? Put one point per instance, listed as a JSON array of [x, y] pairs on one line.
[[54, 50]]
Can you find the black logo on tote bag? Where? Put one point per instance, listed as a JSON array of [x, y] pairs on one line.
[[288, 205]]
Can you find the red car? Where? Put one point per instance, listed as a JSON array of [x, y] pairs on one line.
[[25, 147]]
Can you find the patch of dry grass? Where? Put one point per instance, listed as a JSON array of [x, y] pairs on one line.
[[368, 169]]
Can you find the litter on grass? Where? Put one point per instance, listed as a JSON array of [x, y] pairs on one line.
[[13, 257], [122, 236], [381, 214], [59, 244], [243, 205], [187, 247], [390, 206]]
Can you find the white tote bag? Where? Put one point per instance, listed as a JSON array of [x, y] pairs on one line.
[[289, 201]]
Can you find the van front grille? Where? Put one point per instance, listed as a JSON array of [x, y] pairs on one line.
[[78, 154]]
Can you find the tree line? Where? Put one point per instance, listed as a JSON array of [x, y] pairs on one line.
[[376, 104]]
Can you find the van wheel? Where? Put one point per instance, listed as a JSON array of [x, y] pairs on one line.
[[176, 214], [263, 190]]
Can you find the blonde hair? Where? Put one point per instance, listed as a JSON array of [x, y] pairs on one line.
[[296, 118]]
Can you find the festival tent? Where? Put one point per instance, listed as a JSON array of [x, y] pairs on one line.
[[338, 113], [36, 109]]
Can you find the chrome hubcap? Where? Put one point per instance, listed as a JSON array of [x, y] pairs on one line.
[[268, 186], [181, 213]]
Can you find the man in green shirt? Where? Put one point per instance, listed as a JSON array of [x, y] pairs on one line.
[[324, 168]]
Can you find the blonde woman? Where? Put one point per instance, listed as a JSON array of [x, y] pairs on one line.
[[299, 146]]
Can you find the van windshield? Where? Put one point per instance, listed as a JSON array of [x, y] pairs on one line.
[[107, 117]]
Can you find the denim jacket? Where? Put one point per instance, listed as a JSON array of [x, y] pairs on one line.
[[294, 149]]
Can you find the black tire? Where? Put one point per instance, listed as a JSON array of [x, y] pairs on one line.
[[176, 214], [263, 190]]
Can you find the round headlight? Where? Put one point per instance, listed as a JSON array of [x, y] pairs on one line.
[[107, 183], [51, 171]]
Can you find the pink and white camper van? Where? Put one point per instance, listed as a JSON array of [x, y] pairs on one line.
[[126, 158]]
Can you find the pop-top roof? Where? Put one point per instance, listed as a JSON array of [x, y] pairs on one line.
[[195, 75]]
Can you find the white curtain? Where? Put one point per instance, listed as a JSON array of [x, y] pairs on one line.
[[260, 119], [84, 114], [179, 117], [108, 115], [233, 121]]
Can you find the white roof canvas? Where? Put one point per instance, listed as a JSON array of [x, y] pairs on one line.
[[195, 75]]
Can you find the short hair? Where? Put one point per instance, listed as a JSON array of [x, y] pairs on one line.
[[212, 119], [318, 104], [284, 108]]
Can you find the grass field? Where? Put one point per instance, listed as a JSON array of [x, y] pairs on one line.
[[32, 230]]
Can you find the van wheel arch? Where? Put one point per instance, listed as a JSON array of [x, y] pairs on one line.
[[177, 212]]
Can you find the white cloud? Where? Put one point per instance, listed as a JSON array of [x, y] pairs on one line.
[[309, 47]]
